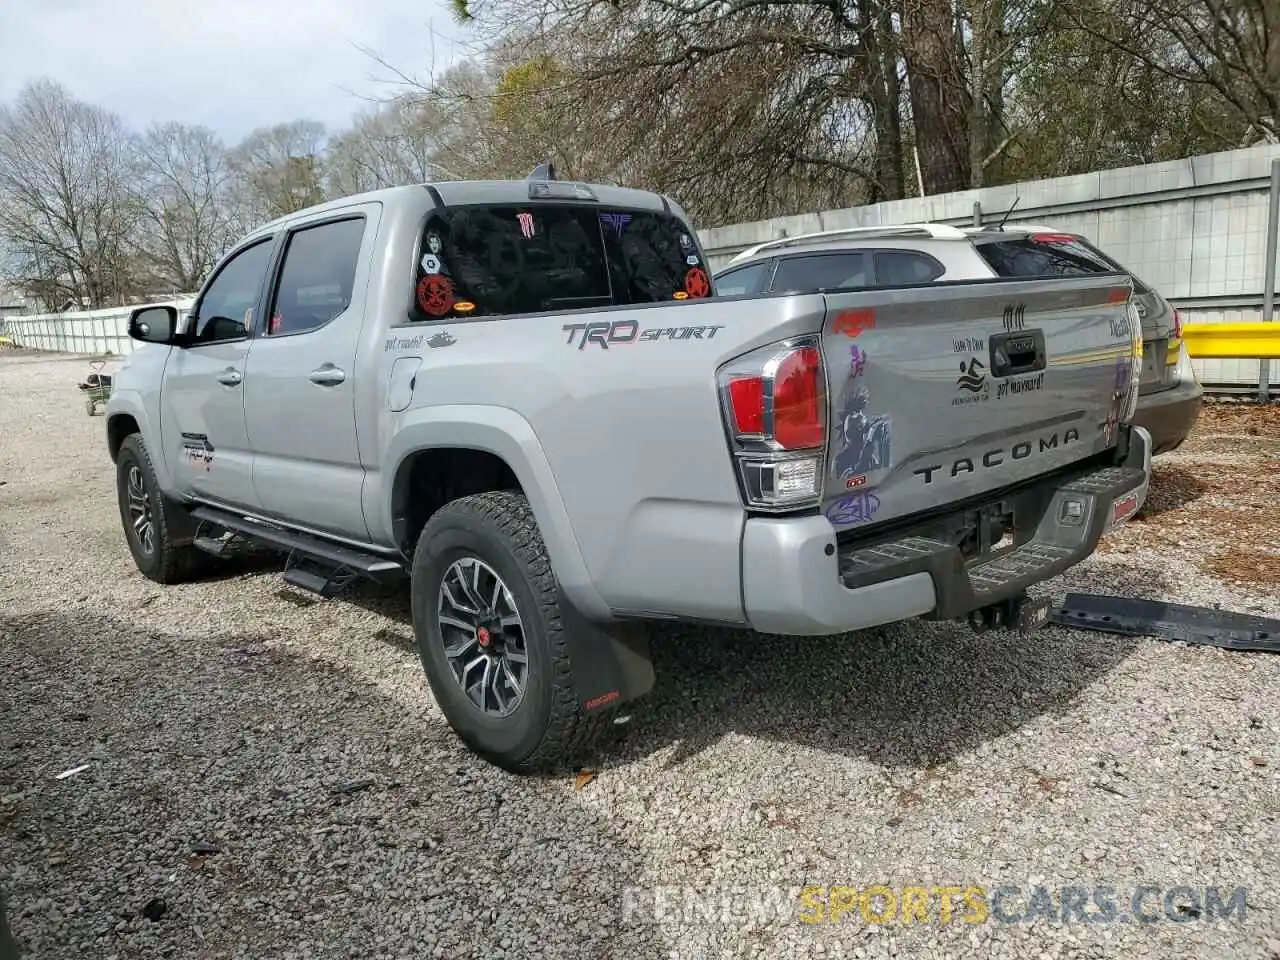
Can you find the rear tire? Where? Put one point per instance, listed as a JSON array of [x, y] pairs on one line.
[[147, 517], [494, 537]]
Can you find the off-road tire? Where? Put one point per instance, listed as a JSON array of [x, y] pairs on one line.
[[548, 728], [165, 563]]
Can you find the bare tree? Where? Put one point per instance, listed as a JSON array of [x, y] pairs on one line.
[[68, 213], [1230, 46], [188, 220], [279, 170], [395, 143]]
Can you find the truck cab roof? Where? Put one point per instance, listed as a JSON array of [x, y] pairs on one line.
[[448, 193]]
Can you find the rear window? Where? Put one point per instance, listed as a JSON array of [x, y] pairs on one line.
[[1061, 255], [501, 260]]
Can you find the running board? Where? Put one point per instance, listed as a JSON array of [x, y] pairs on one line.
[[317, 550], [1169, 621]]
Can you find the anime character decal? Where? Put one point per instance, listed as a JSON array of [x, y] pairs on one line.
[[862, 439]]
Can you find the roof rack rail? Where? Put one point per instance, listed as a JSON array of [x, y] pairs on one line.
[[938, 231]]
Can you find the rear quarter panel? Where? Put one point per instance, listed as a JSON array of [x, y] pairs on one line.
[[624, 405]]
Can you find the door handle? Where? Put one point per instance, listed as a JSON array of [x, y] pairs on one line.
[[327, 375], [230, 377]]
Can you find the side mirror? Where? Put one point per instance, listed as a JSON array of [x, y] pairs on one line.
[[153, 324]]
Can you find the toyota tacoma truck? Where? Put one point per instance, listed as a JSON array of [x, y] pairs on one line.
[[523, 398]]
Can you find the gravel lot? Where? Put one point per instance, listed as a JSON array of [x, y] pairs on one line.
[[297, 740]]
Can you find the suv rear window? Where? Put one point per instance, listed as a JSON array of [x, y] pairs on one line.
[[1059, 255], [502, 260]]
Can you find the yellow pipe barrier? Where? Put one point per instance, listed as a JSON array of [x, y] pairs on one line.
[[1233, 341]]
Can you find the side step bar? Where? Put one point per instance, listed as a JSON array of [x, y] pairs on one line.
[[314, 563]]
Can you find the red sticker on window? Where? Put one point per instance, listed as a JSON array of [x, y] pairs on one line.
[[696, 283], [435, 295]]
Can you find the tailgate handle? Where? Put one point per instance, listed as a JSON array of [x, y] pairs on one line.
[[1016, 353]]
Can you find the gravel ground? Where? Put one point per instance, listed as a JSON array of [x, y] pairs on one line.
[[267, 776]]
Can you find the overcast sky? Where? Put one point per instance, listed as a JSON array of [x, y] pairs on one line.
[[232, 65]]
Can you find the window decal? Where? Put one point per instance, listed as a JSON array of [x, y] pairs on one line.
[[696, 283], [526, 224], [435, 295], [618, 221]]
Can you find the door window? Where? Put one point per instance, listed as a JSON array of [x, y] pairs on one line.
[[225, 311], [317, 276], [826, 271], [900, 268]]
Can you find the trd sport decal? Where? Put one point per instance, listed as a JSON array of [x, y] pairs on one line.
[[197, 450], [621, 333]]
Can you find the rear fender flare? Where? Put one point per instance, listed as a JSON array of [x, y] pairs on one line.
[[505, 434]]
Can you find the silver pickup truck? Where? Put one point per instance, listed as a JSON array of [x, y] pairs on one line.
[[523, 397]]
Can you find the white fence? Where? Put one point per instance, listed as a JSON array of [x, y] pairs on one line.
[[94, 332]]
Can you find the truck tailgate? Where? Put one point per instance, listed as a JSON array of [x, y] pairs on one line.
[[944, 392]]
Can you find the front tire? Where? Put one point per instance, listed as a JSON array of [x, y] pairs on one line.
[[147, 517], [486, 616]]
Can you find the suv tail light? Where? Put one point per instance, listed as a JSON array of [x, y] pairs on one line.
[[1177, 324], [774, 401], [1136, 351]]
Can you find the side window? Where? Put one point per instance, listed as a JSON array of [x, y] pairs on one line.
[[318, 274], [895, 268], [744, 280], [824, 271], [226, 309], [492, 261]]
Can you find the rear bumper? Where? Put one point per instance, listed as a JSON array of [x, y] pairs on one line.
[[798, 580], [1170, 414]]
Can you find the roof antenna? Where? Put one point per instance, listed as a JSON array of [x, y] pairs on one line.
[[1000, 225], [543, 171]]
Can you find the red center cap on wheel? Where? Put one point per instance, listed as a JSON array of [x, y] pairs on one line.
[[482, 634]]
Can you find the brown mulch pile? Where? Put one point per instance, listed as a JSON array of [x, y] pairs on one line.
[[1244, 566], [1219, 500], [1234, 417]]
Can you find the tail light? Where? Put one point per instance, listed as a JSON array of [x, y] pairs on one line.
[[1135, 361], [775, 408], [1177, 325]]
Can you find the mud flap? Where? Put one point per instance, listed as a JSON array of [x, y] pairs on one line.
[[611, 663], [1169, 621]]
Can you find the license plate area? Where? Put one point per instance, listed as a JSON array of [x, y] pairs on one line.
[[1033, 614]]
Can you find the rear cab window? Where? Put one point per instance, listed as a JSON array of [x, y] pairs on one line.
[[499, 260]]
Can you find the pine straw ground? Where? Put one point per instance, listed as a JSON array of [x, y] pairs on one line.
[[1216, 499]]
